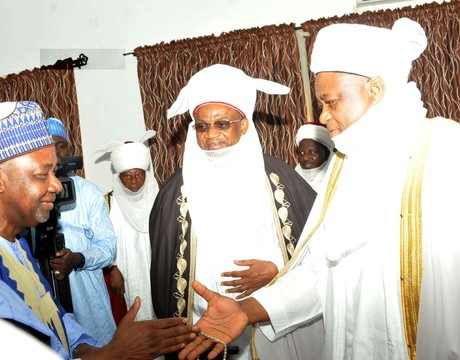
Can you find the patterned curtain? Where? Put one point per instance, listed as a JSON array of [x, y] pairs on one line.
[[270, 52], [437, 71], [54, 90]]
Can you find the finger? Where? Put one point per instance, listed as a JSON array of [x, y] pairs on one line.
[[57, 262], [249, 262], [191, 346], [233, 282], [203, 291], [62, 252], [171, 349], [236, 274], [245, 294], [178, 340], [132, 312], [175, 331], [218, 348], [238, 289], [166, 323], [200, 349]]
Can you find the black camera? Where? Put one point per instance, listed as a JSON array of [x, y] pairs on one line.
[[47, 238]]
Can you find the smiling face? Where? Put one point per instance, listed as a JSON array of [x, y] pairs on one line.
[[311, 154], [218, 126], [344, 98], [28, 187]]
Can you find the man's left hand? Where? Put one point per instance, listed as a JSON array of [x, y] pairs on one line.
[[64, 262], [259, 274]]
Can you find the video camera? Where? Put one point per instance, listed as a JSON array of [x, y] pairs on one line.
[[47, 238]]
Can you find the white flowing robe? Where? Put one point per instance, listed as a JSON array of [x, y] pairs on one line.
[[350, 271], [133, 260]]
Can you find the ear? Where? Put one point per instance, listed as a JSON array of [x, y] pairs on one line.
[[244, 126], [3, 180], [376, 89]]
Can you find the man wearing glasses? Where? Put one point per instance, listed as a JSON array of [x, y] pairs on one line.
[[231, 217]]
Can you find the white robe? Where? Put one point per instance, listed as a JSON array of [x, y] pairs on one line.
[[133, 260], [350, 270]]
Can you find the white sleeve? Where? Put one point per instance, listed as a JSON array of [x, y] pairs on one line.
[[295, 299]]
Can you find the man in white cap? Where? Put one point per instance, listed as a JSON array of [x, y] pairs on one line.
[[28, 188], [227, 207], [131, 200], [90, 246], [383, 264], [314, 152]]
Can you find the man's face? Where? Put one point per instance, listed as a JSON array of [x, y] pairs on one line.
[[344, 98], [63, 148], [28, 187], [218, 126], [133, 179], [311, 154]]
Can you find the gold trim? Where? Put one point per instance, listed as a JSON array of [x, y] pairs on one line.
[[411, 257], [181, 264], [330, 191], [191, 278]]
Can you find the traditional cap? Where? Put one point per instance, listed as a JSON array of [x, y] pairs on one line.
[[223, 84], [315, 132], [56, 128], [22, 129], [130, 155], [368, 50]]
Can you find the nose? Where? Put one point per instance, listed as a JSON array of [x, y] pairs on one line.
[[55, 185], [325, 116], [212, 132]]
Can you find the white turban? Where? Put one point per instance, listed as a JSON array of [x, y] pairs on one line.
[[135, 206], [223, 84], [315, 132], [368, 50]]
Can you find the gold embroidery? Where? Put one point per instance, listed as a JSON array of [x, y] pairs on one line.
[[181, 265], [283, 213], [35, 294], [411, 245]]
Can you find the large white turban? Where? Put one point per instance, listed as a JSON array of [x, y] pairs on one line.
[[315, 132], [368, 50], [223, 84]]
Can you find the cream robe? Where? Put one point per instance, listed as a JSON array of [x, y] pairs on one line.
[[350, 270], [133, 260]]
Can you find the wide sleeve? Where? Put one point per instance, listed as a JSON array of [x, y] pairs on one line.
[[76, 334], [297, 297], [102, 250]]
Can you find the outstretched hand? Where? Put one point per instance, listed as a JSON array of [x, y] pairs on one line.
[[223, 320], [259, 274]]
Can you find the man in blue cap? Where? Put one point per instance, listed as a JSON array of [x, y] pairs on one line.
[[28, 188], [90, 246]]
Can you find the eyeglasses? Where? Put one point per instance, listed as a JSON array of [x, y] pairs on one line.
[[202, 127]]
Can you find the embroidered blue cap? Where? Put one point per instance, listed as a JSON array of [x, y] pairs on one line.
[[56, 128], [22, 129]]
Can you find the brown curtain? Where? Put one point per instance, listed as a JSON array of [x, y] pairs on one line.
[[54, 90], [437, 71], [270, 52]]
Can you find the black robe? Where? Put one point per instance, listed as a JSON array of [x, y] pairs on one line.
[[165, 230]]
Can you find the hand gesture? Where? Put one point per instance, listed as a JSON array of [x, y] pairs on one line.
[[64, 263], [259, 274], [117, 282], [224, 320], [148, 339]]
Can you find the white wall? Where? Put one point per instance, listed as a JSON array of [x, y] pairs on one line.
[[109, 99]]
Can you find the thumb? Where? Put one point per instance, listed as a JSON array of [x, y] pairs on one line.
[[131, 315], [203, 291]]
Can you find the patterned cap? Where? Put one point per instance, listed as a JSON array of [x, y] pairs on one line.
[[56, 128], [22, 129]]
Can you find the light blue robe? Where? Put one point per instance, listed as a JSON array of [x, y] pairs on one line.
[[88, 230], [12, 306]]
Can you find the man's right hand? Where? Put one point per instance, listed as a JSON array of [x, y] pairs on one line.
[[224, 320], [144, 339]]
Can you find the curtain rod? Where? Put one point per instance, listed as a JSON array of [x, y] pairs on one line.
[[132, 53], [69, 63]]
